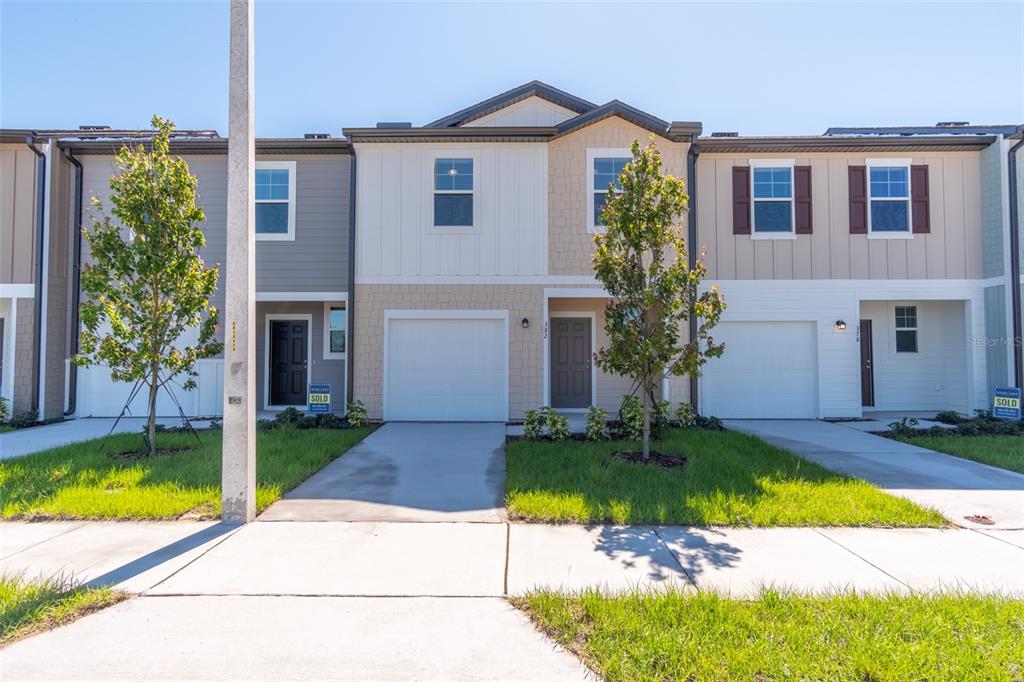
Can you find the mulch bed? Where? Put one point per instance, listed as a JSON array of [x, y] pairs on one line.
[[130, 455], [656, 459]]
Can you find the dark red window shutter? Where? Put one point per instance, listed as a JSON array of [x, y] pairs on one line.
[[741, 199], [919, 199], [858, 199], [802, 199]]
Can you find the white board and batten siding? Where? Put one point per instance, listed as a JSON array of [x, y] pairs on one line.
[[532, 111], [396, 236]]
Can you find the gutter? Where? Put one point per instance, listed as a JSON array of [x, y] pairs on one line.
[[37, 317], [350, 305], [1018, 361], [691, 223], [76, 293]]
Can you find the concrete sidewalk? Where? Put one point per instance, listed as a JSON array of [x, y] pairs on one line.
[[26, 441], [956, 487]]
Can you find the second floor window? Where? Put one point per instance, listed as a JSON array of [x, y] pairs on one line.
[[275, 200], [607, 170], [773, 200], [453, 192], [889, 196]]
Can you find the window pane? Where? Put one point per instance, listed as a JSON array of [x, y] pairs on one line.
[[337, 340], [453, 174], [889, 216], [773, 216], [272, 183], [599, 200], [773, 183], [607, 171], [889, 182], [906, 341], [272, 218], [906, 316], [338, 318], [453, 210]]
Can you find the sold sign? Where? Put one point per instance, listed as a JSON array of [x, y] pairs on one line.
[[1006, 403]]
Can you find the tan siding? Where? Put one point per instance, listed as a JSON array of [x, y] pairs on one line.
[[570, 246], [951, 251], [17, 214]]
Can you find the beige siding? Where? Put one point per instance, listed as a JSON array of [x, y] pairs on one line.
[[21, 399], [56, 350], [951, 251], [570, 246], [17, 214]]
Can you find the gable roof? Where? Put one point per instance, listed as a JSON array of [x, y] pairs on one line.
[[531, 89]]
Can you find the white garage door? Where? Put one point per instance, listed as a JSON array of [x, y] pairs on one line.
[[769, 371], [446, 370]]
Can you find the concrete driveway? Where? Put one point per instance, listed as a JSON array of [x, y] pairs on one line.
[[408, 472], [956, 487]]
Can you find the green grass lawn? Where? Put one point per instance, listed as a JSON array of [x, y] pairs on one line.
[[675, 636], [999, 451], [84, 480], [731, 479], [28, 606]]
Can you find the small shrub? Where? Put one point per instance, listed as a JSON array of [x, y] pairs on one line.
[[597, 423], [25, 419], [937, 431], [265, 424], [968, 429], [533, 425], [289, 416], [327, 420], [1002, 428], [558, 426], [631, 413], [356, 413], [709, 423], [660, 413], [685, 415], [5, 409], [949, 417], [903, 427]]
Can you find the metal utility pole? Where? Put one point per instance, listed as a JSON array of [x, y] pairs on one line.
[[238, 459]]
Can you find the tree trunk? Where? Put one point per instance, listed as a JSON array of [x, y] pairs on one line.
[[154, 385], [647, 424]]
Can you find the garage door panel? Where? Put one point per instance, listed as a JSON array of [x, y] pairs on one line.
[[769, 370], [446, 370]]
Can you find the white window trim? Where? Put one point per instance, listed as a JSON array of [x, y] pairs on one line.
[[328, 354], [909, 234], [289, 166], [916, 329], [453, 229], [267, 319], [774, 163], [589, 191]]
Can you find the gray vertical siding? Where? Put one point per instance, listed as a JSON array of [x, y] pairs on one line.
[[996, 337], [992, 211]]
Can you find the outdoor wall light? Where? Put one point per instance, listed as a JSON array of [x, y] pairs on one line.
[[526, 323], [840, 325]]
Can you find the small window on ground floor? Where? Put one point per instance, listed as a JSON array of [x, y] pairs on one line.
[[906, 329], [335, 330]]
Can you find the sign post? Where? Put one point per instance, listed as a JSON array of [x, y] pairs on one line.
[[1006, 403], [319, 398]]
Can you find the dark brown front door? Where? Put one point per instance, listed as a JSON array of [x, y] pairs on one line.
[[571, 356], [867, 373], [288, 361]]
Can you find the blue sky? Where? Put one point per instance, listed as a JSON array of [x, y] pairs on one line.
[[765, 68]]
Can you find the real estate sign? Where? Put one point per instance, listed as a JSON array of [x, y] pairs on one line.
[[1006, 403], [319, 397]]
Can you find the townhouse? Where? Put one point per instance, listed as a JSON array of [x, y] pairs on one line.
[[443, 272]]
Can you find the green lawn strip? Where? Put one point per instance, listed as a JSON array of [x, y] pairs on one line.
[[999, 451], [29, 606], [679, 636], [85, 480], [731, 479]]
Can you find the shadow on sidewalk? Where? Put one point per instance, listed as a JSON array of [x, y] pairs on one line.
[[695, 554]]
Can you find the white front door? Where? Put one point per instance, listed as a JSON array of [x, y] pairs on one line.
[[446, 369], [769, 371]]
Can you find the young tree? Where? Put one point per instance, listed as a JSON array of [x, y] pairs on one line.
[[146, 285], [641, 259]]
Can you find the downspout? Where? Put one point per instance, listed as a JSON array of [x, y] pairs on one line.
[[76, 276], [350, 346], [691, 220], [37, 317], [1018, 361]]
